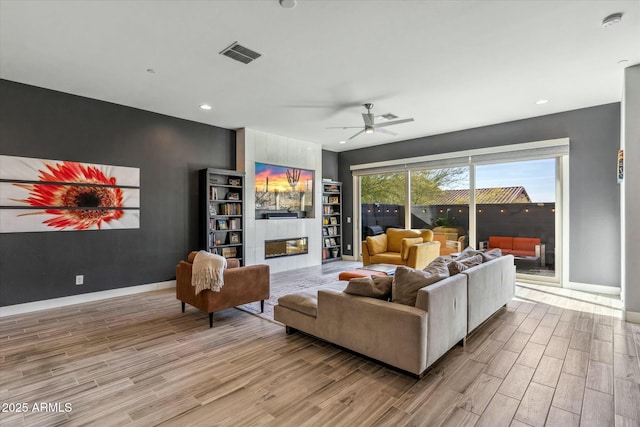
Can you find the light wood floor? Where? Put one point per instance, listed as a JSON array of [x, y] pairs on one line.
[[552, 357]]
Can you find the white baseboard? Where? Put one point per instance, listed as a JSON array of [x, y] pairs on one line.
[[632, 316], [348, 258], [597, 289], [29, 307]]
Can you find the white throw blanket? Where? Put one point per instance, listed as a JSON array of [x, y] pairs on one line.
[[208, 271]]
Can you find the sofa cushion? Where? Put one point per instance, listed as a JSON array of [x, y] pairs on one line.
[[503, 242], [456, 266], [377, 244], [407, 281], [395, 236], [306, 302], [491, 254], [372, 286], [387, 258], [406, 244]]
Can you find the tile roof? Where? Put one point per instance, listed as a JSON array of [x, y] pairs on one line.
[[495, 195]]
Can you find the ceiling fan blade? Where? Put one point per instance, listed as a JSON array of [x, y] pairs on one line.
[[368, 119], [357, 134], [394, 122], [386, 132], [344, 127]]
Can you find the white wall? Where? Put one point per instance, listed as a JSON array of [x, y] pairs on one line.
[[630, 193], [254, 146]]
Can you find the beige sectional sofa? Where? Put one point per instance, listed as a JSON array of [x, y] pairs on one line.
[[410, 338]]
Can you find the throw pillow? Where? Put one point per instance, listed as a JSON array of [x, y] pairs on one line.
[[377, 244], [442, 258], [467, 252], [406, 244], [492, 254], [456, 267], [374, 287], [407, 281]]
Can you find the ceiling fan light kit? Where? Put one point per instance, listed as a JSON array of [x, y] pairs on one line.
[[370, 126]]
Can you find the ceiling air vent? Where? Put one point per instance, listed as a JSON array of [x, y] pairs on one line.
[[240, 53], [389, 116]]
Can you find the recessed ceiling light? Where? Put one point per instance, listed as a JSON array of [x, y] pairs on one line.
[[343, 142], [611, 20], [288, 4], [205, 107], [542, 101]]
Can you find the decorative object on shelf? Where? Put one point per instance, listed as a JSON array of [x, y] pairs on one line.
[[229, 252], [620, 166], [235, 181], [234, 238]]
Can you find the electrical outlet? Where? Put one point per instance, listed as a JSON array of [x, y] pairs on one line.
[[348, 246], [79, 279], [348, 220]]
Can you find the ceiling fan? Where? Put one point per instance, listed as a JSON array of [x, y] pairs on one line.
[[370, 126]]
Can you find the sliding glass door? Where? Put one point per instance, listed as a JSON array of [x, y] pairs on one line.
[[484, 201], [382, 202], [440, 201], [516, 211]]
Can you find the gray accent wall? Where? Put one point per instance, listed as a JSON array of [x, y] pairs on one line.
[[631, 188], [330, 165], [594, 201], [45, 124]]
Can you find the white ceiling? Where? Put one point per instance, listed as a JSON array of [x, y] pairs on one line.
[[451, 65]]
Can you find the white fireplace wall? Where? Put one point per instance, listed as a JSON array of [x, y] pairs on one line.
[[253, 146]]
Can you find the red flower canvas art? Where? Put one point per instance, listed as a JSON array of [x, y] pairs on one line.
[[63, 195]]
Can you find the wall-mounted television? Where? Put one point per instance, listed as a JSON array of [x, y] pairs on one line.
[[283, 192]]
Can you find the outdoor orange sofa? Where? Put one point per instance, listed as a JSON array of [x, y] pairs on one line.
[[517, 246]]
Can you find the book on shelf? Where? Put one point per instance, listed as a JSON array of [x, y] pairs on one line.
[[327, 242], [231, 209], [235, 224], [222, 224], [334, 220], [213, 193], [325, 231], [332, 241]]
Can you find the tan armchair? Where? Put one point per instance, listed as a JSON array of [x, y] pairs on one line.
[[242, 285], [413, 248]]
